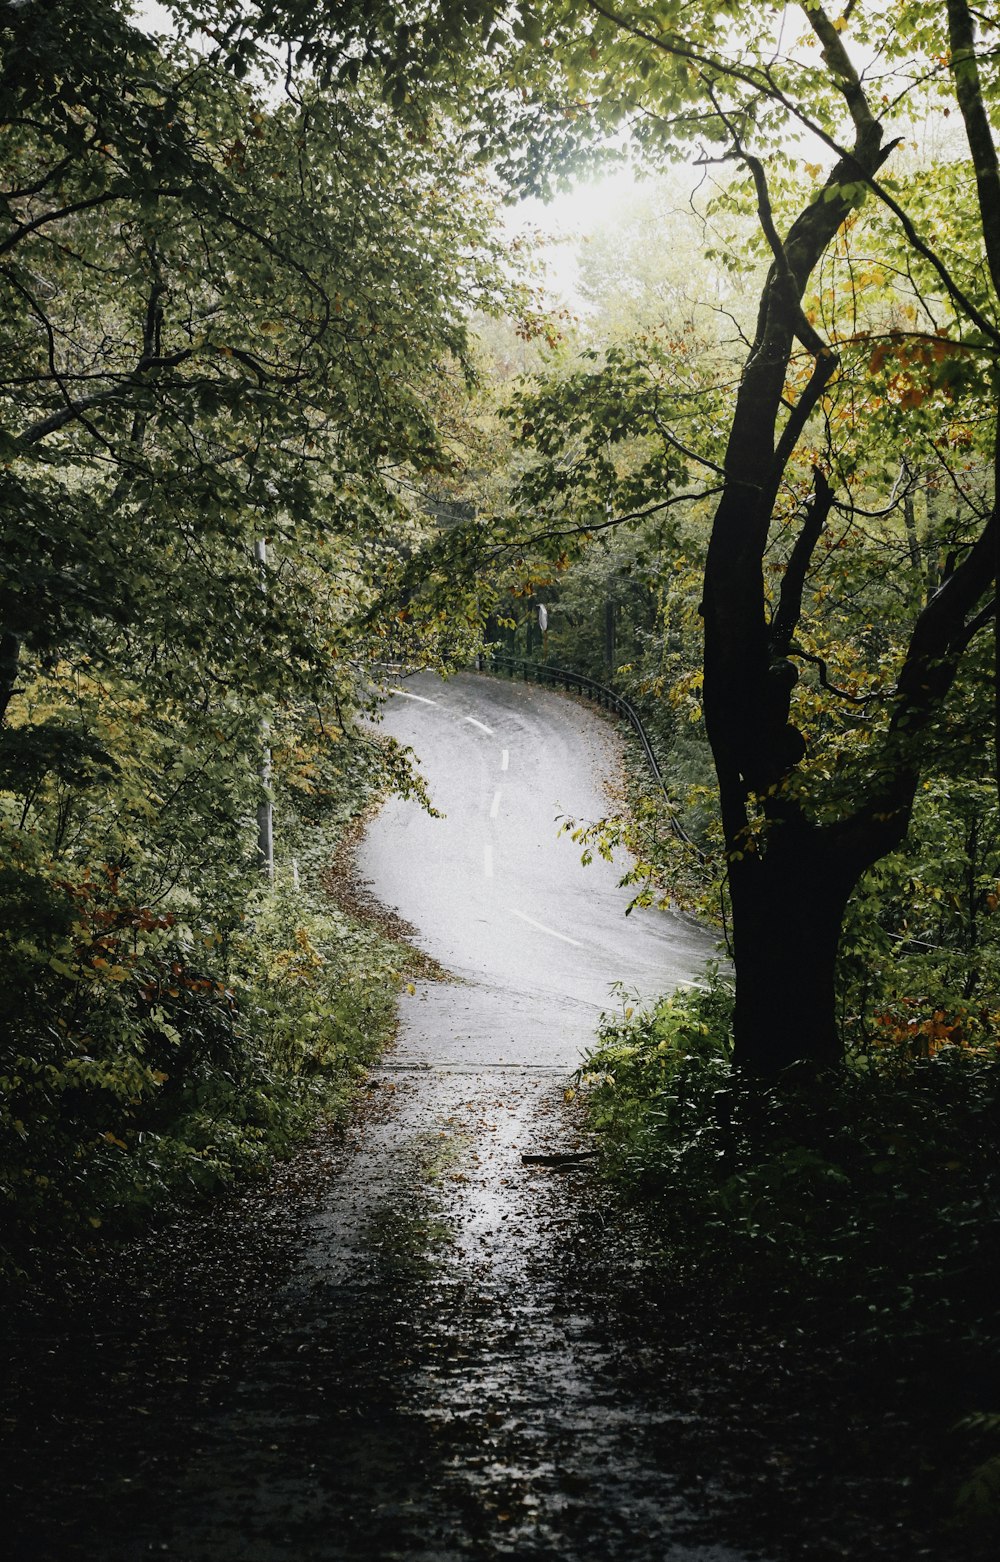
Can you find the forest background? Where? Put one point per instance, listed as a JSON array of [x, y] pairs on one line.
[[283, 402]]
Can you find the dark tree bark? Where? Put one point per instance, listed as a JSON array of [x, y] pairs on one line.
[[790, 879]]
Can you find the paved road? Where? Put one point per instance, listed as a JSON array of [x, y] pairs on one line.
[[441, 1369], [497, 894]]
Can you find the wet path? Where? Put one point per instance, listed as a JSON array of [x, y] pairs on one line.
[[427, 1370], [414, 1346], [497, 892], [433, 1388]]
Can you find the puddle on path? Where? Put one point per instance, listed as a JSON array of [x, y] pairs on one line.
[[433, 1387]]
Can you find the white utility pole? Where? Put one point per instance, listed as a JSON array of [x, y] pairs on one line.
[[265, 808]]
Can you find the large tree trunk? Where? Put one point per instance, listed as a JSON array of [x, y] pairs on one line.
[[788, 907], [10, 659], [790, 879]]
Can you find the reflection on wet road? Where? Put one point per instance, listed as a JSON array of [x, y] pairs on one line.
[[497, 893], [437, 1387], [439, 1376]]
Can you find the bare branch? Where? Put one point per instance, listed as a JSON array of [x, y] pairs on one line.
[[670, 438], [824, 677], [841, 67], [76, 410], [790, 599], [969, 91], [587, 530]]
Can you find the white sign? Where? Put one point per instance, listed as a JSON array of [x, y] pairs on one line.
[[543, 617]]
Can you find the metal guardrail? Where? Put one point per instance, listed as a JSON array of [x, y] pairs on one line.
[[565, 678], [562, 677]]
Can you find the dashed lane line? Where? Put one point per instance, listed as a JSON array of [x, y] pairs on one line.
[[549, 930], [408, 696], [495, 805], [481, 725], [505, 759]]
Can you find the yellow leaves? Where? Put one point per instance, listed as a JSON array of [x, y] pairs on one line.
[[299, 966], [910, 362], [922, 1038], [814, 170], [113, 1139]]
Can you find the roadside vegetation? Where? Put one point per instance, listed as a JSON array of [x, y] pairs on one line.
[[236, 383], [279, 403], [180, 1041], [851, 1220]]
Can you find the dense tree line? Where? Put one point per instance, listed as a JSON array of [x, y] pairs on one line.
[[238, 272], [233, 375]]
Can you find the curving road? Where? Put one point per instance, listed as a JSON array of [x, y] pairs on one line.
[[497, 893], [440, 1361]]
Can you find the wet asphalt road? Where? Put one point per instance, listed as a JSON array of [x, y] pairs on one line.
[[431, 1371], [496, 891]]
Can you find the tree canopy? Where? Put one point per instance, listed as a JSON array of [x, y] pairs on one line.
[[865, 381], [234, 374], [243, 458]]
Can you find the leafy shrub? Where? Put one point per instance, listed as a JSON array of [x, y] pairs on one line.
[[171, 1023], [876, 1189]]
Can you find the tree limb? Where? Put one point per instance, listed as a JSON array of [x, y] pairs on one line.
[[969, 92], [789, 610], [824, 676]]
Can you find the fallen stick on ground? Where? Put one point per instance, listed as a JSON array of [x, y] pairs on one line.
[[559, 1158]]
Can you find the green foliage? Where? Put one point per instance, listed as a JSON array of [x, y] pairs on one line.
[[874, 1191], [920, 955], [233, 311], [157, 1047], [857, 1214], [653, 1078], [978, 1498]]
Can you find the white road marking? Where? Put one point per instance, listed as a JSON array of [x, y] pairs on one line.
[[495, 805], [543, 929], [505, 759], [488, 861], [408, 696], [698, 987], [481, 725]]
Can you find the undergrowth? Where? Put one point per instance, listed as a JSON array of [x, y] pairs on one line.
[[163, 1059], [859, 1211]]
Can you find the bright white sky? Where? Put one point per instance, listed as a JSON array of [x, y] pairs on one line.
[[568, 220], [153, 17], [565, 221]]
